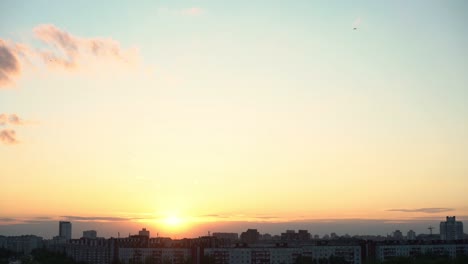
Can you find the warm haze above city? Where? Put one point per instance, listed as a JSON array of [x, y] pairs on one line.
[[189, 117]]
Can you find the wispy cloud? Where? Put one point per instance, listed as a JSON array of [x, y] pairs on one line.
[[12, 119], [61, 50], [8, 136], [7, 220], [423, 210], [15, 120], [45, 219], [237, 217], [3, 119], [267, 217], [193, 11], [9, 64], [214, 215], [68, 51], [99, 218]]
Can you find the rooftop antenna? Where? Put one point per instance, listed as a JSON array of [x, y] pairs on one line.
[[118, 234], [430, 229], [209, 233]]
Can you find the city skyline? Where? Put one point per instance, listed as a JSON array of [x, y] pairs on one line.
[[357, 227], [251, 246], [192, 116]]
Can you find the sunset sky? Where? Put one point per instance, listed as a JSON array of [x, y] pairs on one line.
[[188, 116]]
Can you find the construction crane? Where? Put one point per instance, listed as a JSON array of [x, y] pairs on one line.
[[430, 229]]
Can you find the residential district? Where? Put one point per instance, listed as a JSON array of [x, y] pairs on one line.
[[250, 247]]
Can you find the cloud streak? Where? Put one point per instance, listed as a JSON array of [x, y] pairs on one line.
[[7, 220], [8, 137], [61, 50], [68, 51], [432, 210], [193, 11], [99, 218], [9, 64], [3, 119], [12, 119]]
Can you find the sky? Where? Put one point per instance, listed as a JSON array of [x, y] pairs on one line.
[[190, 116]]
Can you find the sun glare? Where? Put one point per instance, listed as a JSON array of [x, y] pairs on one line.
[[173, 220]]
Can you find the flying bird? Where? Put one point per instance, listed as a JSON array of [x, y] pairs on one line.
[[356, 23]]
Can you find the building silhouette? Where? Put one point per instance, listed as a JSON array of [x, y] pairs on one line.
[[411, 235], [451, 229], [398, 235], [226, 237], [65, 230], [24, 244], [89, 234], [144, 232], [291, 235], [250, 236]]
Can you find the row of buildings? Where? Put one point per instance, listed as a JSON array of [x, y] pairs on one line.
[[449, 230], [249, 248], [143, 249]]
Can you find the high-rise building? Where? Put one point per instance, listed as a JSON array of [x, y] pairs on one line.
[[65, 230], [250, 236], [291, 235], [451, 229], [144, 232], [90, 234], [397, 235], [228, 236], [411, 235]]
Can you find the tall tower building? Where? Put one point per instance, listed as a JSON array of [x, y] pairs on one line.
[[65, 230], [144, 232], [451, 229], [398, 235]]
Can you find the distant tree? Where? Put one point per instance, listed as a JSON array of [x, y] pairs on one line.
[[188, 260], [399, 260], [150, 260], [461, 259], [5, 254], [322, 261], [304, 260], [337, 260], [42, 256], [371, 261], [135, 260], [167, 260], [27, 260], [207, 259], [428, 259]]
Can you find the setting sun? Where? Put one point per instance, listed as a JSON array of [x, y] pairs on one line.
[[173, 221]]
